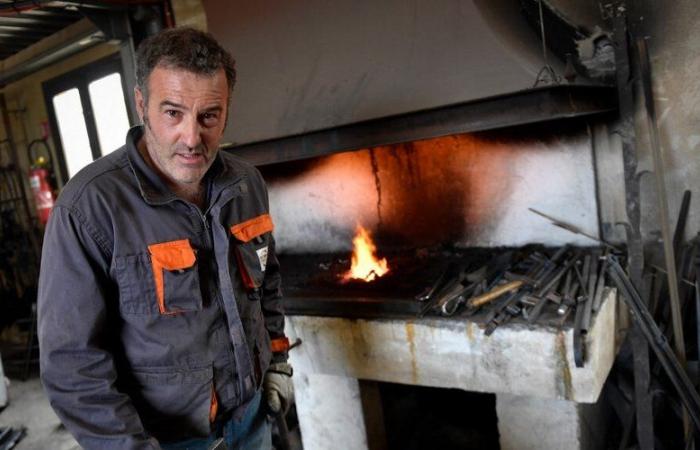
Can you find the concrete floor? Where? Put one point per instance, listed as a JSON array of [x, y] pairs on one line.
[[30, 408]]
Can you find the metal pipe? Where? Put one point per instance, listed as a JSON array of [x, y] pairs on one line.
[[656, 339], [81, 42]]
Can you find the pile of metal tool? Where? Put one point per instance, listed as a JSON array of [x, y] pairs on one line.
[[533, 285], [10, 437]]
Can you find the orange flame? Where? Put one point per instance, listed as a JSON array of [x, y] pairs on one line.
[[365, 265]]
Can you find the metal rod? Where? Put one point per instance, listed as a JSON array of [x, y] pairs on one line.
[[657, 341], [625, 129], [677, 321], [572, 228], [680, 224], [544, 39]]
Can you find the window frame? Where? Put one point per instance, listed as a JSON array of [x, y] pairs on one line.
[[80, 79]]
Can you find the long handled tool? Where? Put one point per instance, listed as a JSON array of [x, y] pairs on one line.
[[657, 341]]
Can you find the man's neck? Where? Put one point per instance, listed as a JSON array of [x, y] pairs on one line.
[[195, 195]]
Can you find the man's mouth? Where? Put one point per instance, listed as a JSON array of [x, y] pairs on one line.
[[191, 158]]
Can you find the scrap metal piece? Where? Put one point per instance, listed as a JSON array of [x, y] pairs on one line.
[[563, 309], [513, 310], [450, 280], [657, 341], [626, 80], [11, 437], [680, 223], [579, 337], [572, 228], [499, 315], [543, 292], [592, 275], [429, 292], [450, 306], [600, 286], [529, 300]]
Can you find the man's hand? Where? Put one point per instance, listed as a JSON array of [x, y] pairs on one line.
[[278, 387]]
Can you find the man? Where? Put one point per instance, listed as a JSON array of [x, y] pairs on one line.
[[160, 312]]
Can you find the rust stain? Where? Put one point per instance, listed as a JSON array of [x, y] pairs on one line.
[[566, 387], [410, 336]]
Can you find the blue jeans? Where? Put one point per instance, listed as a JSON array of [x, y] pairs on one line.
[[252, 432]]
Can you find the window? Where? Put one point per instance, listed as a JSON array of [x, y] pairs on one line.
[[88, 113], [71, 126], [109, 109]]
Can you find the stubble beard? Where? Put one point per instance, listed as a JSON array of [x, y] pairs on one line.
[[164, 161]]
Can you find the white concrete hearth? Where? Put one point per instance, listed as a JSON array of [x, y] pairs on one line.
[[531, 370]]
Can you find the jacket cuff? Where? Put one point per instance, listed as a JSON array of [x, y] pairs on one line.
[[280, 357], [280, 349]]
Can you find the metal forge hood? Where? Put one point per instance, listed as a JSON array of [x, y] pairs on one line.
[[321, 64]]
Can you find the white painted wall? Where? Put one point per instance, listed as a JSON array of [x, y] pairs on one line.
[[674, 43], [465, 189]]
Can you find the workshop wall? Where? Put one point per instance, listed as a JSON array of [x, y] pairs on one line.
[[25, 98], [471, 190], [673, 41], [189, 13]]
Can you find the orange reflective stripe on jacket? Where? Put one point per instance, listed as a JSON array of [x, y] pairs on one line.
[[279, 345], [214, 407], [245, 231]]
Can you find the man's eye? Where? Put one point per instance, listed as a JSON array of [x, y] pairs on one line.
[[210, 118], [172, 113]]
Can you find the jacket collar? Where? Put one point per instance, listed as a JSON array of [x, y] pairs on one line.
[[154, 190]]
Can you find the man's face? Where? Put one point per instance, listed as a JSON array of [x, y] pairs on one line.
[[184, 121]]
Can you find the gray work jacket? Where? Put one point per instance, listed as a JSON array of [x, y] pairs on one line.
[[155, 316]]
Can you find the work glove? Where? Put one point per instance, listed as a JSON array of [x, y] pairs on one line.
[[278, 388]]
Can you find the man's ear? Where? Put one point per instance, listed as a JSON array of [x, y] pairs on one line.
[[138, 99]]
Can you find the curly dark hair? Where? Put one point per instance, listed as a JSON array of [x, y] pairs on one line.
[[182, 48]]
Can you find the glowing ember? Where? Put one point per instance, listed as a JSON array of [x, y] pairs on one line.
[[365, 265]]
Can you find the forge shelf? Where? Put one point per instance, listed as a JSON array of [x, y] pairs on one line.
[[313, 286]]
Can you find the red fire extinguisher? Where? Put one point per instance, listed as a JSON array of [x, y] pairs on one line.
[[41, 182]]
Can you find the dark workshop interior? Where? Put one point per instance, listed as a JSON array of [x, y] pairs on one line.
[[485, 211]]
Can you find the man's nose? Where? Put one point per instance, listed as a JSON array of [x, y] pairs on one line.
[[191, 134]]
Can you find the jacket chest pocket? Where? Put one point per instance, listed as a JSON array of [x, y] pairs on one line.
[[175, 276], [251, 249]]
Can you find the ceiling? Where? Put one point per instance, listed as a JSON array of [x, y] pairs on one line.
[[22, 23]]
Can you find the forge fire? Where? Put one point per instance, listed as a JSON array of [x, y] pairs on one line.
[[365, 264]]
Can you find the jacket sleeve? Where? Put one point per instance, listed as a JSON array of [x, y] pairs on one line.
[[76, 295], [272, 306]]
